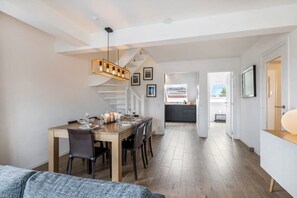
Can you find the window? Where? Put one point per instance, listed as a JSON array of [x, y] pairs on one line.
[[176, 93]]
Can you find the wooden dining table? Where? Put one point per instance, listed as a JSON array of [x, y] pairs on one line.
[[113, 133]]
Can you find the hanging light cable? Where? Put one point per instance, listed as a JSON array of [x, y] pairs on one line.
[[107, 68]]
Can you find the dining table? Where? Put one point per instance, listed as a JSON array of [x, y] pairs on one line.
[[113, 133]]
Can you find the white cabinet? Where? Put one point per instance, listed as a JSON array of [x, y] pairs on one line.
[[279, 160]]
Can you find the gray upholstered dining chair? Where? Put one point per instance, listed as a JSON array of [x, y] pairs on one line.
[[133, 144], [81, 144], [147, 138]]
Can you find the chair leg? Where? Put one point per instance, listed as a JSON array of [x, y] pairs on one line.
[[110, 165], [69, 166], [150, 143], [103, 158], [145, 152], [142, 155], [125, 156], [93, 169], [89, 167], [134, 164], [106, 146]]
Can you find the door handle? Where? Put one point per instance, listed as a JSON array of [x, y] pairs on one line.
[[282, 107]]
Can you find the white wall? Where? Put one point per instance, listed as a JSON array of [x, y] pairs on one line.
[[292, 39], [250, 107], [190, 79], [155, 106], [38, 89]]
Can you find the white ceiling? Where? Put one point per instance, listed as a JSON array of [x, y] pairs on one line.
[[225, 48], [170, 30], [127, 13]]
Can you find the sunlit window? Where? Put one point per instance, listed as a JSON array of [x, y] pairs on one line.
[[176, 93]]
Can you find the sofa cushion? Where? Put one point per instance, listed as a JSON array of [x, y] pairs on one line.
[[13, 181], [46, 184]]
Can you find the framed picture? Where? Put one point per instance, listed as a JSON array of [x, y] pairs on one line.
[[135, 79], [151, 90], [147, 73], [248, 78]]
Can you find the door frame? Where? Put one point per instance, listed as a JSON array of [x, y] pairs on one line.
[[280, 50], [231, 101]]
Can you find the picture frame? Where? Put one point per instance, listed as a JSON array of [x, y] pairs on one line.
[[135, 79], [248, 82], [151, 90], [148, 73]]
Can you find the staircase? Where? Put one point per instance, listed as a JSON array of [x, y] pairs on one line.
[[117, 93]]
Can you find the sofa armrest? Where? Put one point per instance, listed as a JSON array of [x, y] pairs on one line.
[[13, 181]]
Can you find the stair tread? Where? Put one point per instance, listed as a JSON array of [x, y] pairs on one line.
[[114, 98], [108, 91], [114, 85], [117, 103]]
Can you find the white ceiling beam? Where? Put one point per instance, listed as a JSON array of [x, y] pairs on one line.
[[38, 14], [240, 24]]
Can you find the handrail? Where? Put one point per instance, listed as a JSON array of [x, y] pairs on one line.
[[137, 104], [135, 94]]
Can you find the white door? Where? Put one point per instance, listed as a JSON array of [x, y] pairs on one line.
[[275, 91], [229, 104], [273, 94]]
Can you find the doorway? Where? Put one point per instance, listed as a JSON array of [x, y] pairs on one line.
[[180, 93], [220, 101], [275, 90], [274, 94]]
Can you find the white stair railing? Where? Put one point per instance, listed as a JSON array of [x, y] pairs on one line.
[[134, 102]]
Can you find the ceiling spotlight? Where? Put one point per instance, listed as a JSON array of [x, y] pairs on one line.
[[167, 21], [95, 18]]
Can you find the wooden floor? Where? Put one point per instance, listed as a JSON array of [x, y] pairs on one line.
[[185, 165]]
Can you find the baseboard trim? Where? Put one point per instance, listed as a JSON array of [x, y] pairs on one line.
[[251, 149], [36, 166]]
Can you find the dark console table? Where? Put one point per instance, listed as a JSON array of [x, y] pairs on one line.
[[180, 113], [220, 117]]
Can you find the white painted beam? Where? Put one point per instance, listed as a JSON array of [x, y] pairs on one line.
[[38, 14], [240, 24]]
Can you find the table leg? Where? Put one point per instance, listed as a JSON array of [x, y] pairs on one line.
[[116, 157], [272, 184], [53, 152]]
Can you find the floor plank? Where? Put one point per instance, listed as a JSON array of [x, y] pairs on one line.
[[185, 165]]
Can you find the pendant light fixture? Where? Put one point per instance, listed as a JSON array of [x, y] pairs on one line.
[[106, 68]]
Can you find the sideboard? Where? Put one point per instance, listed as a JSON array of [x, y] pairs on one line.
[[278, 151]]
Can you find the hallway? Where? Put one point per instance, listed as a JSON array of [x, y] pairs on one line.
[[188, 166]]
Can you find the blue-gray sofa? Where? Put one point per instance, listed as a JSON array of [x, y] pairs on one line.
[[17, 182]]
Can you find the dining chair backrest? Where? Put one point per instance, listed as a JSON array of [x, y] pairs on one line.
[[138, 139], [72, 122], [148, 129], [81, 143]]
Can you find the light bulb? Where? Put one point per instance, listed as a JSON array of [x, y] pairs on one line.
[[107, 67]]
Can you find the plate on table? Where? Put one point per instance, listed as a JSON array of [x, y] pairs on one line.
[[88, 126], [126, 124]]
